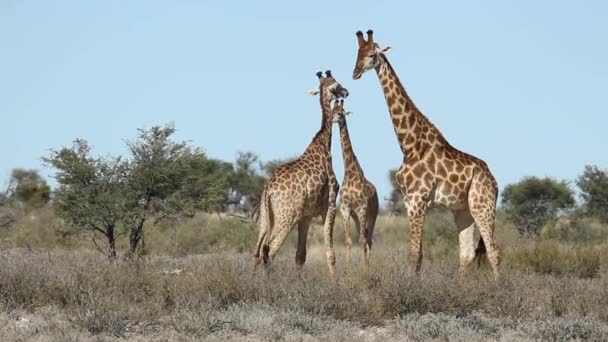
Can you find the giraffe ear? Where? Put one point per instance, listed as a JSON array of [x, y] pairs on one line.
[[313, 92], [386, 49]]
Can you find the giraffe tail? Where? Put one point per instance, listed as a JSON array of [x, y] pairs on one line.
[[261, 248], [480, 252]]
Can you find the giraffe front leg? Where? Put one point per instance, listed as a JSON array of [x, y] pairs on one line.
[[363, 242], [345, 213], [328, 226], [416, 212]]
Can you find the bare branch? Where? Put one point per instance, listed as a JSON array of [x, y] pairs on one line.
[[99, 249]]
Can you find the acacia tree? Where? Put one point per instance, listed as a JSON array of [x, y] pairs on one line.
[[168, 180], [594, 192], [532, 202], [161, 180], [91, 192]]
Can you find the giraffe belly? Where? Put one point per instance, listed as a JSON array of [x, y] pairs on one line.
[[445, 197]]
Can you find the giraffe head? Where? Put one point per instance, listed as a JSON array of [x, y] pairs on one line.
[[338, 112], [332, 88], [369, 55]]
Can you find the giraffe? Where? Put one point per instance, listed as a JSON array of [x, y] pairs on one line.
[[302, 189], [433, 173], [358, 196]]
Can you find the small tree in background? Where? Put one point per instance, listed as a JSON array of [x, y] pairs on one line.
[[246, 180], [91, 193], [29, 188], [395, 202], [594, 192], [26, 191], [533, 202]]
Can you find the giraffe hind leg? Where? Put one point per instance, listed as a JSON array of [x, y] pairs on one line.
[[261, 248], [372, 215], [302, 237], [282, 227], [483, 211], [466, 238]]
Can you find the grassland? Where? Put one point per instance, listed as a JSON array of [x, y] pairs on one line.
[[196, 283]]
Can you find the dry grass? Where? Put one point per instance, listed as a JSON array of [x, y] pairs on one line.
[[58, 289], [59, 296]]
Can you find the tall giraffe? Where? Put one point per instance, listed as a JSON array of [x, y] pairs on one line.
[[302, 189], [433, 172], [358, 196]]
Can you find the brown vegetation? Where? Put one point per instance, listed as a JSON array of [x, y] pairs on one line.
[[54, 288]]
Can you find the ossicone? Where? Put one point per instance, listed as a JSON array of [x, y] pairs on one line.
[[360, 39], [370, 36]]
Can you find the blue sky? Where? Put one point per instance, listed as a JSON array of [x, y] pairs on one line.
[[520, 84]]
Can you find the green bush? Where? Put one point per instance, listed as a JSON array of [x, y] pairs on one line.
[[577, 229], [548, 257]]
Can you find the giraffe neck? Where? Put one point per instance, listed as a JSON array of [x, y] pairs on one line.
[[323, 136], [412, 128], [351, 164]]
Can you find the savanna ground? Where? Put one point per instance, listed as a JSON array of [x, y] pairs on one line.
[[196, 283]]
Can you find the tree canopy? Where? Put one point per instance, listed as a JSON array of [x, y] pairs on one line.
[[161, 179], [28, 187], [594, 192], [532, 202]]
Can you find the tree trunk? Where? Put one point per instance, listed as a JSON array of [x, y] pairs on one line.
[[136, 235], [111, 242]]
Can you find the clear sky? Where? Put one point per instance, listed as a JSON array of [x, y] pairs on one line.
[[520, 84]]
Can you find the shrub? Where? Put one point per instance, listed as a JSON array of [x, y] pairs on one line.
[[548, 257], [533, 202]]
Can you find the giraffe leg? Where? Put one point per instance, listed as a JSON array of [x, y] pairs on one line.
[[348, 242], [259, 245], [486, 229], [328, 225], [265, 225], [416, 213], [484, 215], [302, 236], [372, 215], [363, 243], [282, 227], [466, 238]]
